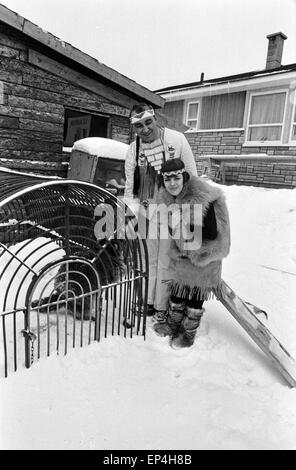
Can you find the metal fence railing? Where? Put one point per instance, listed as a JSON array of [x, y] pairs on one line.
[[60, 286]]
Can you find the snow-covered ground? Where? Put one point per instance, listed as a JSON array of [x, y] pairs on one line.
[[223, 393]]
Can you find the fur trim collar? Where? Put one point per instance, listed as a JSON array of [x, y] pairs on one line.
[[195, 191]]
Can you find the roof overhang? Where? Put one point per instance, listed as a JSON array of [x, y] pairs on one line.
[[64, 49], [263, 81]]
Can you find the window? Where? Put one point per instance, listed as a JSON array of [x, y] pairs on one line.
[[192, 115], [293, 132], [266, 117], [78, 125], [223, 111], [174, 110]]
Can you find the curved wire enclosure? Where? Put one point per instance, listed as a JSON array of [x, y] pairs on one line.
[[72, 267]]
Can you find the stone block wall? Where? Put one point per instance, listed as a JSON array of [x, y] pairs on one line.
[[230, 142], [32, 108]]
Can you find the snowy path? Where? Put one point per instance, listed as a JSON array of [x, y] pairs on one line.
[[223, 393]]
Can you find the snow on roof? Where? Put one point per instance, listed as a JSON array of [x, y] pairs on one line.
[[228, 79], [4, 169], [116, 80], [101, 147]]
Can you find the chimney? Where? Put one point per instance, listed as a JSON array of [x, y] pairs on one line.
[[275, 50]]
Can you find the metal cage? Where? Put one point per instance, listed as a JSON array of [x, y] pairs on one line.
[[62, 285]]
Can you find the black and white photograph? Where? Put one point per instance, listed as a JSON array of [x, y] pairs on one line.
[[147, 227]]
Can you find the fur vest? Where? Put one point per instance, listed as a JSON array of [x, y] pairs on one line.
[[196, 273]]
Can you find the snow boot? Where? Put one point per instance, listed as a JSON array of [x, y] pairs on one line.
[[150, 310], [159, 317], [170, 324], [187, 336]]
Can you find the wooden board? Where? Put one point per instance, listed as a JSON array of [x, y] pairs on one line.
[[70, 52], [82, 166], [79, 79], [35, 166], [280, 357]]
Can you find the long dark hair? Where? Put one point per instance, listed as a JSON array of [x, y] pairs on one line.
[[137, 170], [173, 164], [136, 109]]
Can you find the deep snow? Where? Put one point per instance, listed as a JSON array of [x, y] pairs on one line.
[[223, 393], [102, 147]]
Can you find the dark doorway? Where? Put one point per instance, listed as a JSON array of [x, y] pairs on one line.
[[78, 125]]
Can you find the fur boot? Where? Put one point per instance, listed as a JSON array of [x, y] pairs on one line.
[[191, 322], [170, 325]]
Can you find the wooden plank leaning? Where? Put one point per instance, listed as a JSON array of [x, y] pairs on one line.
[[280, 357]]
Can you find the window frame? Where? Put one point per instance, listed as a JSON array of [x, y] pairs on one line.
[[250, 126], [293, 120], [223, 110], [198, 102], [83, 113]]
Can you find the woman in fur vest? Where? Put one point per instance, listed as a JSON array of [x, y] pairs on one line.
[[200, 232]]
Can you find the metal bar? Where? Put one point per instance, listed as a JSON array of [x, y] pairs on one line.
[[67, 222], [48, 184], [48, 330], [125, 307], [14, 342], [138, 305], [4, 346], [15, 257], [98, 325], [38, 333], [95, 302], [26, 338], [58, 328], [107, 311], [66, 306], [113, 310], [89, 297], [146, 280], [25, 276], [9, 312], [74, 322]]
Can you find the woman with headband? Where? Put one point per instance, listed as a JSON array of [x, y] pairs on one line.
[[200, 239]]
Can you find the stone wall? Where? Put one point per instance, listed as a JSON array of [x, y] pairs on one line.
[[230, 142], [32, 105]]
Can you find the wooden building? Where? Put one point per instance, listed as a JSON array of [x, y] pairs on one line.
[[52, 94]]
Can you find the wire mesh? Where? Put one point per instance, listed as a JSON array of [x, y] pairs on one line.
[[60, 286]]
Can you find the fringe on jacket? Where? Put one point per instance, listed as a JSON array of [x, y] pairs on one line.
[[197, 273]]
